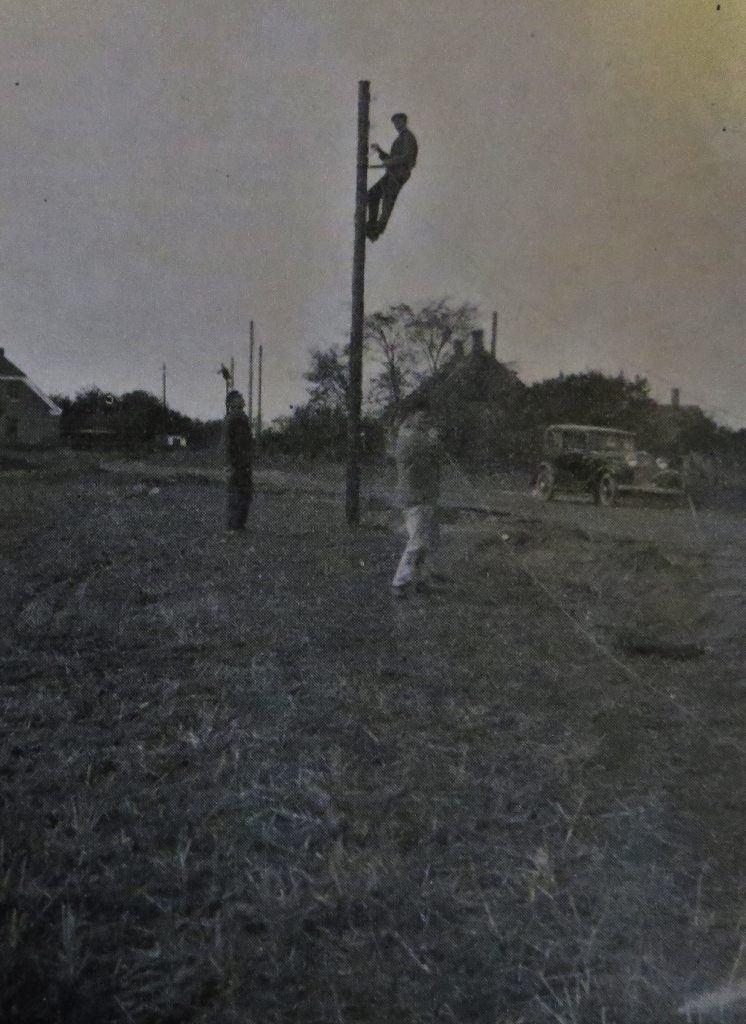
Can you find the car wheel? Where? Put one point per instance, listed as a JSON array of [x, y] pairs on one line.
[[544, 486], [606, 491]]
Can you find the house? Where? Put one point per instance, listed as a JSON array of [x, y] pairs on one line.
[[27, 415], [476, 402]]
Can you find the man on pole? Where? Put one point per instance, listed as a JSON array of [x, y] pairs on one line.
[[398, 165]]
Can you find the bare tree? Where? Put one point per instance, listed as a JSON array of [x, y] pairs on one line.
[[389, 342], [435, 326], [408, 345]]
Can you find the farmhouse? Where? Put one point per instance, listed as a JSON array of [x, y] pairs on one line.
[[27, 415], [476, 401]]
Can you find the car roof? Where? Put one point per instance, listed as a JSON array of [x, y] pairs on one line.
[[589, 426]]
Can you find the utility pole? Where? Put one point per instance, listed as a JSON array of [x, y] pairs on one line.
[[259, 398], [250, 404], [165, 406], [355, 398], [233, 373], [493, 345]]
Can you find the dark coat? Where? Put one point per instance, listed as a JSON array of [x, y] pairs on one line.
[[237, 442]]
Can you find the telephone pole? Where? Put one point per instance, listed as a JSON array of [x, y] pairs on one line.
[[355, 398], [259, 398], [165, 406], [250, 404], [493, 345]]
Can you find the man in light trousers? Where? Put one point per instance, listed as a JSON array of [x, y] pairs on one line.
[[418, 459]]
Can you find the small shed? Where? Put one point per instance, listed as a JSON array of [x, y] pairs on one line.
[[27, 415]]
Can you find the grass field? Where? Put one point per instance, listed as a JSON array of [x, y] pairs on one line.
[[240, 783]]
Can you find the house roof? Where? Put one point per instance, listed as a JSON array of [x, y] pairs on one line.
[[476, 377], [9, 371]]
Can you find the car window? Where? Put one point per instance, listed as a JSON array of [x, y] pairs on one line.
[[612, 443], [553, 442], [574, 441]]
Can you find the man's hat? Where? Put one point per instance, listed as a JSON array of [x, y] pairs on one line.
[[396, 116], [233, 394]]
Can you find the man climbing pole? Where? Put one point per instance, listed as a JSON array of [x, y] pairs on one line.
[[398, 165]]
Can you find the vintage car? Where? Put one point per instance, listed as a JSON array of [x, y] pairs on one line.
[[601, 460]]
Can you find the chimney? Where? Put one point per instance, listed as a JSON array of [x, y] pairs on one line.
[[477, 342], [458, 348], [675, 397]]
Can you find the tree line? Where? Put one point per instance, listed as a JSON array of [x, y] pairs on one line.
[[137, 419], [487, 416]]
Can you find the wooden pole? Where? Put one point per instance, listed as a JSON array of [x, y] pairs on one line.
[[493, 345], [250, 404], [259, 398], [355, 397], [165, 406]]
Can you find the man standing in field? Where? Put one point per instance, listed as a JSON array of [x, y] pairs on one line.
[[418, 458], [398, 164], [237, 441]]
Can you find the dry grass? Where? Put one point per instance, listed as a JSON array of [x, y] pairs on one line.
[[240, 785]]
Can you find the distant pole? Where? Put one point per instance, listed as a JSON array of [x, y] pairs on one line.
[[259, 397], [493, 344], [233, 373], [352, 497], [250, 406], [165, 406]]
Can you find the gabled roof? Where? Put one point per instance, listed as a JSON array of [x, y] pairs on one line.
[[9, 371], [476, 377]]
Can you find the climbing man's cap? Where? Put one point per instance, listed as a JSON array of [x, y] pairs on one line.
[[396, 117]]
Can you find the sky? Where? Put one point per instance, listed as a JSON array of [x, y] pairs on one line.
[[171, 170]]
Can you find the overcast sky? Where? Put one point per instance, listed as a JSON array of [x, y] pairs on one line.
[[172, 169]]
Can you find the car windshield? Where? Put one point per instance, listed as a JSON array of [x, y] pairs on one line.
[[612, 442]]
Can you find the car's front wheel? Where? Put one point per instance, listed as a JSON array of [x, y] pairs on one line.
[[544, 484], [606, 491]]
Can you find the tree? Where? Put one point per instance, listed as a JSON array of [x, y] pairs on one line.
[[125, 421], [320, 426], [591, 397], [410, 344], [434, 328], [389, 341], [329, 377]]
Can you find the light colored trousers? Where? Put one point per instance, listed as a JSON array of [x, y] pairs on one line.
[[422, 541]]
